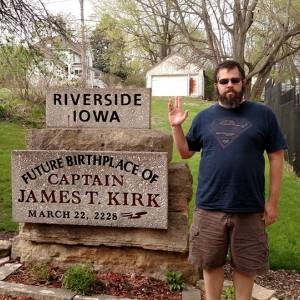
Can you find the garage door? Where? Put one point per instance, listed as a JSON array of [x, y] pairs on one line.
[[170, 85]]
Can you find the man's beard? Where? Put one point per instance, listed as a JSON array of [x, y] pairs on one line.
[[231, 98]]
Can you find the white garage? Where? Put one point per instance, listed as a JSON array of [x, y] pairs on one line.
[[174, 77], [166, 85]]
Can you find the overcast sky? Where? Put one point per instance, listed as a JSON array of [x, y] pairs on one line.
[[66, 7]]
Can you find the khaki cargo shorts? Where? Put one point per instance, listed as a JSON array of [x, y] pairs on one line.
[[213, 233]]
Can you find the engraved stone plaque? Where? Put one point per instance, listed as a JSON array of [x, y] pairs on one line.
[[119, 189], [119, 108]]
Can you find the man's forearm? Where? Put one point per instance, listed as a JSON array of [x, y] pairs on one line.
[[181, 142], [276, 169]]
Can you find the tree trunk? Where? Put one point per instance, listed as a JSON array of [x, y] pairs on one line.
[[247, 92], [260, 82]]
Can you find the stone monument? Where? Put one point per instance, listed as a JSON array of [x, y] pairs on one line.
[[98, 186]]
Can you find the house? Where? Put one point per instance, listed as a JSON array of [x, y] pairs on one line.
[[63, 61], [173, 76]]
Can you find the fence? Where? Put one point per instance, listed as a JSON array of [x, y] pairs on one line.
[[286, 105]]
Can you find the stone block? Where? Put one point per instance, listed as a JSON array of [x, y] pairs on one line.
[[261, 293], [180, 189], [175, 238], [5, 246], [191, 293], [40, 293], [115, 188], [4, 260], [180, 181], [8, 269], [102, 139], [106, 259], [100, 297], [115, 108]]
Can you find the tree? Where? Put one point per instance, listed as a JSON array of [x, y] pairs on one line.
[[22, 18], [151, 35], [258, 34], [109, 47], [16, 65]]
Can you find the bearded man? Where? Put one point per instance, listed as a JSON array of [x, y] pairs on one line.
[[231, 212]]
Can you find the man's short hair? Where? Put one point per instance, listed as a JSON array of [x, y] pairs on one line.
[[228, 64]]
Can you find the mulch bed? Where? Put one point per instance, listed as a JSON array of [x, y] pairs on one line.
[[286, 283], [122, 285]]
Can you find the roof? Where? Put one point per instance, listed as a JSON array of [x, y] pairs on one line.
[[174, 64], [63, 43]]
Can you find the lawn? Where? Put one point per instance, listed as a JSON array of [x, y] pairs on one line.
[[284, 236], [12, 137]]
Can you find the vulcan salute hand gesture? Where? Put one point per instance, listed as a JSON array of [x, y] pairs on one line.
[[176, 115]]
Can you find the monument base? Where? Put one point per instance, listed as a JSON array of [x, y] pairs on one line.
[[106, 259]]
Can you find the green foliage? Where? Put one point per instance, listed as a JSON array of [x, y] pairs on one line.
[[24, 112], [228, 293], [108, 43], [209, 84], [16, 66], [79, 279], [9, 110], [175, 280], [6, 94], [12, 137], [150, 32]]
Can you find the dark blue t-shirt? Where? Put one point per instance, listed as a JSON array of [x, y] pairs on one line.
[[233, 141]]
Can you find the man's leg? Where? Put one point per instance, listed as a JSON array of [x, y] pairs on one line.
[[213, 282], [243, 285], [249, 252], [208, 248]]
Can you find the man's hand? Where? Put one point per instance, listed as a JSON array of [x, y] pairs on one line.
[[176, 115], [271, 213]]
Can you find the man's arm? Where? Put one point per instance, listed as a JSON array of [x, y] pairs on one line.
[[276, 169], [176, 118], [180, 142]]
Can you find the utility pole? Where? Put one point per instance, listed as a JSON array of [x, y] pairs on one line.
[[83, 46]]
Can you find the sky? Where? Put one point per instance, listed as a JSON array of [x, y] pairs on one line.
[[67, 7]]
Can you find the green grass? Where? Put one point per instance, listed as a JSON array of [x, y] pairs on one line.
[[12, 137], [284, 236]]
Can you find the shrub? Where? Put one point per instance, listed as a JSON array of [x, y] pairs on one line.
[[79, 279], [175, 280], [39, 272], [6, 111], [228, 292]]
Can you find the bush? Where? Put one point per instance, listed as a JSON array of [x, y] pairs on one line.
[[79, 279], [228, 293], [27, 113], [39, 272], [6, 111], [175, 281]]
